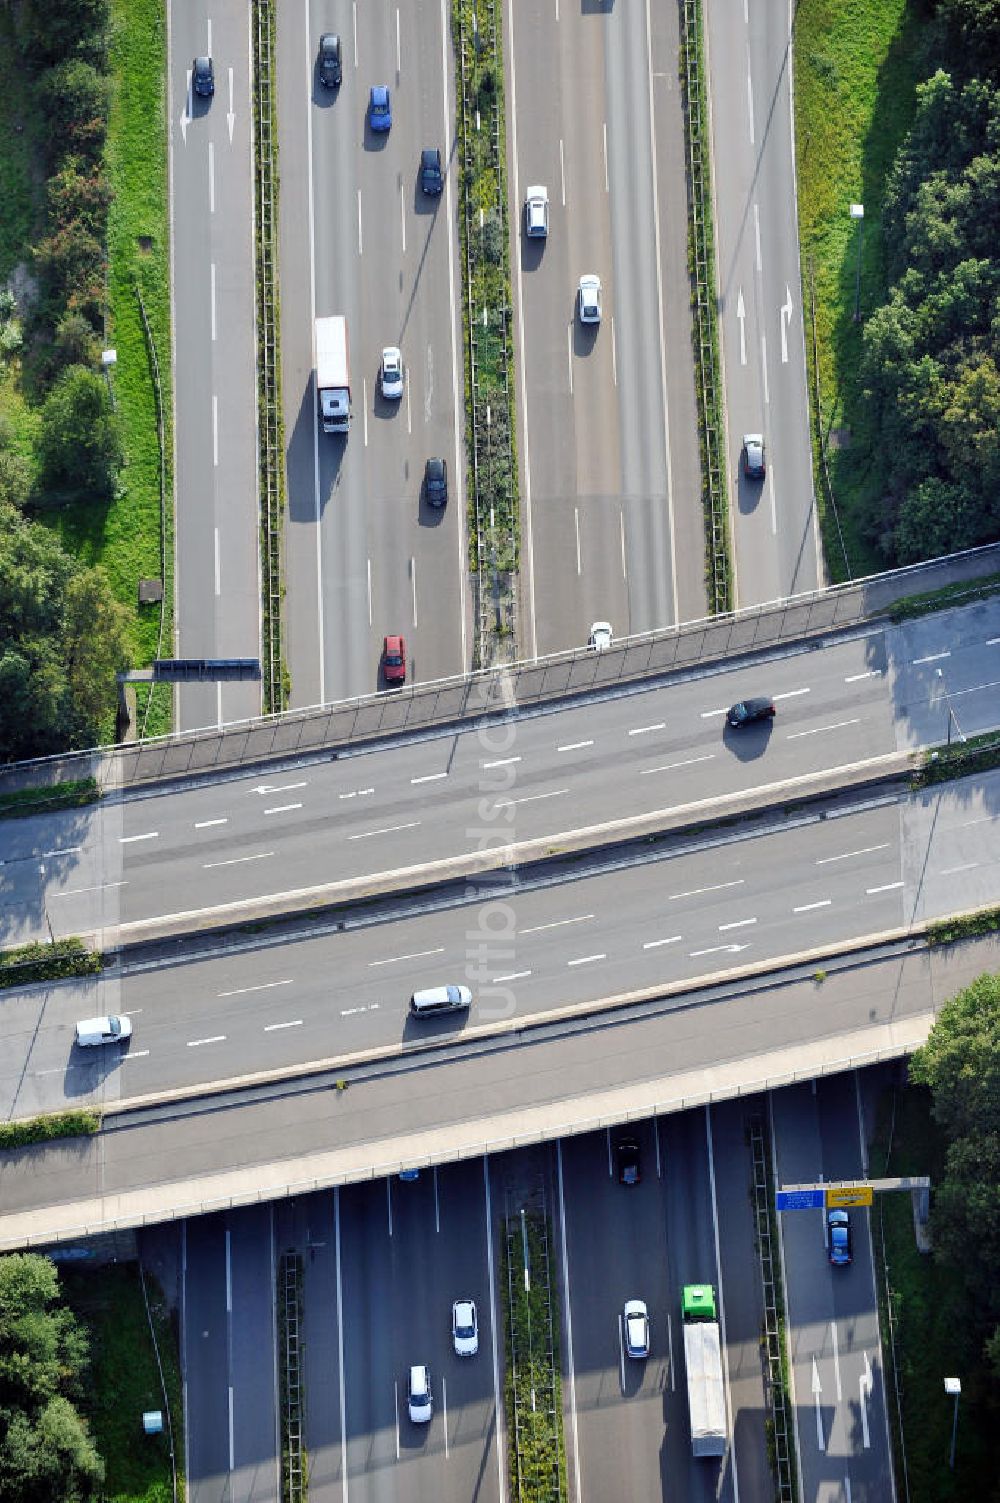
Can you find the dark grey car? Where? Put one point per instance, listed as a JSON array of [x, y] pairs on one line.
[[203, 77], [436, 482], [431, 179], [329, 60]]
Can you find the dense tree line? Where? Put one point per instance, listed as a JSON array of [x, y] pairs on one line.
[[46, 1451], [961, 1064], [931, 364], [62, 635]]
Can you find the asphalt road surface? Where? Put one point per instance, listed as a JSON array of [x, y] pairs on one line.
[[215, 394], [382, 1264], [762, 322], [624, 753], [229, 1351], [608, 442], [837, 1376], [365, 555]]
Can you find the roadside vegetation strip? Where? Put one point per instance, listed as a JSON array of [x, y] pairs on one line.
[[73, 795], [45, 1129], [962, 592], [494, 537], [964, 926], [927, 1333], [27, 964], [976, 754], [271, 467], [126, 1382], [135, 539], [704, 280], [532, 1387]]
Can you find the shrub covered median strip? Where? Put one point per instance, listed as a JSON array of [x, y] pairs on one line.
[[20, 802], [77, 1124], [37, 962], [532, 1388]]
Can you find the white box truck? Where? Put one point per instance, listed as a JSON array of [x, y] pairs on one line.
[[703, 1362], [333, 374]]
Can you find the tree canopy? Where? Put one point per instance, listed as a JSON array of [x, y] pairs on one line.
[[961, 1064], [931, 351], [46, 1451]]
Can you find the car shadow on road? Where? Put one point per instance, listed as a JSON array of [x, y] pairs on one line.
[[299, 463], [748, 493], [749, 741], [584, 338], [532, 250]]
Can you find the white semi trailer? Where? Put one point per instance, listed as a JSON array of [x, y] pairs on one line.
[[333, 374]]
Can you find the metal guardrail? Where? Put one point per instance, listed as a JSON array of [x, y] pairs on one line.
[[270, 451], [774, 1387], [293, 1483], [704, 290], [546, 680]]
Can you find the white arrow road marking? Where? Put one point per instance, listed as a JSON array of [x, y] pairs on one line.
[[277, 787], [865, 1388], [786, 318], [836, 1359], [741, 314], [231, 118], [817, 1389], [718, 950], [187, 111]]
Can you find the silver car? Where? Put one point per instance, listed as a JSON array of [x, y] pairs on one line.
[[536, 212], [391, 373], [589, 299], [635, 1321], [465, 1328]]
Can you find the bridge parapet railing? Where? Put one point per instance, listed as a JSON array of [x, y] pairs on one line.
[[425, 706]]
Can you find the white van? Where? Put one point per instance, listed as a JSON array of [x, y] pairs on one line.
[[440, 999], [91, 1031]]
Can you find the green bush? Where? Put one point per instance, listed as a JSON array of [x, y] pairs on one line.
[[36, 962], [76, 1124]]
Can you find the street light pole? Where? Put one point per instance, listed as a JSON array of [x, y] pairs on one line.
[[953, 1386], [858, 213]]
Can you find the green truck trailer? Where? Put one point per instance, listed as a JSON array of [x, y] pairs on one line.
[[703, 1363]]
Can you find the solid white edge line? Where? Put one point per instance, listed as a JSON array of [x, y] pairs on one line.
[[523, 413], [731, 1449], [568, 1324], [457, 407], [497, 1397], [311, 221], [340, 1344], [659, 301], [276, 1389]]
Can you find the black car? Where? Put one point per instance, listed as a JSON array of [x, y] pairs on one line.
[[329, 60], [627, 1154], [436, 482], [203, 77], [746, 711], [431, 180]]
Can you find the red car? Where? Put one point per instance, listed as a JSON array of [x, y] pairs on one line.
[[394, 660]]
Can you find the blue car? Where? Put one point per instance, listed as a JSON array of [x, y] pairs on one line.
[[839, 1227], [380, 108]]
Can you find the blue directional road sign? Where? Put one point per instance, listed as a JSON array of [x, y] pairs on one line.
[[800, 1200]]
